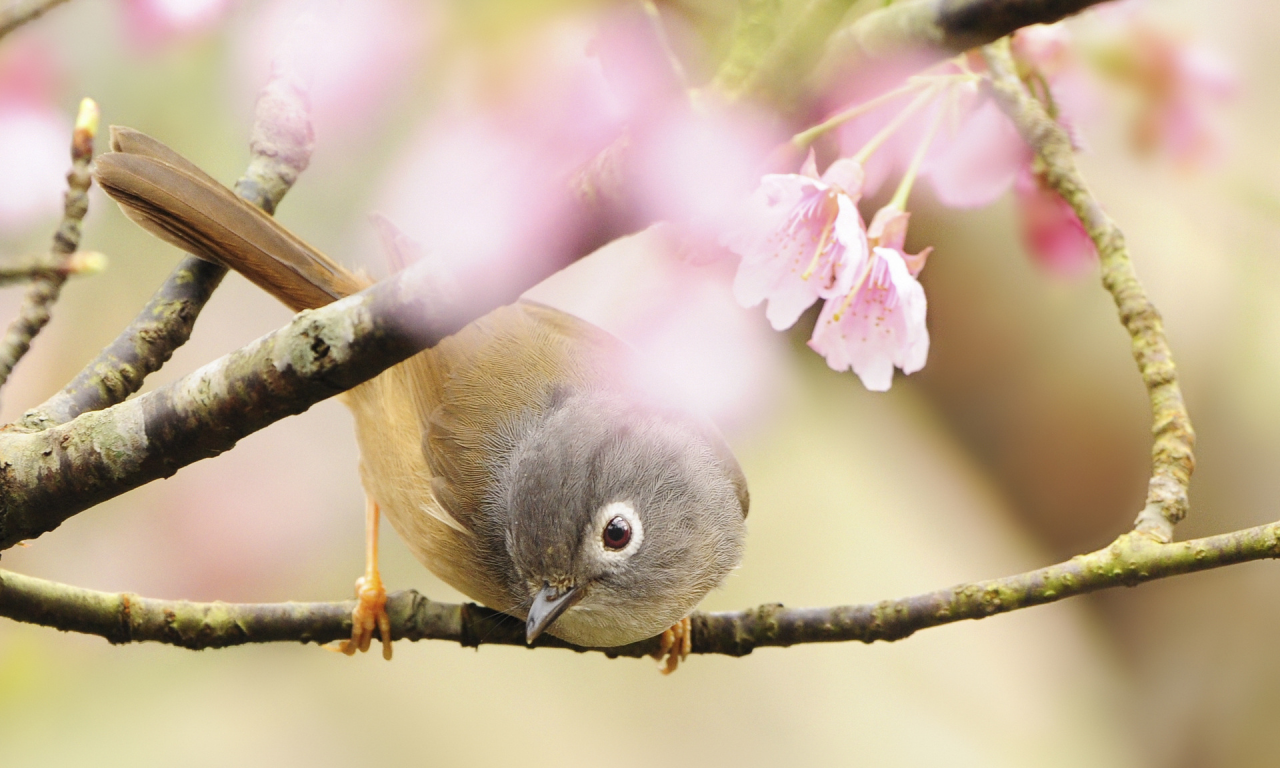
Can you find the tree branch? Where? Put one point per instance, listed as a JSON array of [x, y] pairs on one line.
[[20, 13], [949, 26], [1132, 559], [1172, 456], [38, 301], [280, 149], [78, 263]]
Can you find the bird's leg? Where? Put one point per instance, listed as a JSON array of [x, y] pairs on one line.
[[371, 597], [676, 643]]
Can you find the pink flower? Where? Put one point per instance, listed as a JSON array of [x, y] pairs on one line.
[[878, 326], [1050, 228], [888, 229], [804, 240]]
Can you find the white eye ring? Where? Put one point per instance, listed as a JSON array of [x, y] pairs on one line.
[[607, 513]]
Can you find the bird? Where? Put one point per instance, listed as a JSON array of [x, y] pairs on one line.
[[518, 459]]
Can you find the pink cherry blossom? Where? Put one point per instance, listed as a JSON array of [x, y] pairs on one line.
[[880, 325], [1051, 230], [804, 240], [888, 229]]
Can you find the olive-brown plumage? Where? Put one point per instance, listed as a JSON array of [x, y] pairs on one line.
[[518, 458]]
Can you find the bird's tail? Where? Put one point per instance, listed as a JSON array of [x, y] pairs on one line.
[[176, 201]]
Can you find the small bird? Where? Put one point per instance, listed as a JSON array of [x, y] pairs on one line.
[[518, 458]]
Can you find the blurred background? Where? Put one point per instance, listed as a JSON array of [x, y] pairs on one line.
[[1023, 441]]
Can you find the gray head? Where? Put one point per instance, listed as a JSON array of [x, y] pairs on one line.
[[619, 518]]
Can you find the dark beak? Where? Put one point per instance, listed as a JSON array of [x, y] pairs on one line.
[[547, 606]]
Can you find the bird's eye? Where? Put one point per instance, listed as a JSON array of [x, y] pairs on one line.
[[617, 534]]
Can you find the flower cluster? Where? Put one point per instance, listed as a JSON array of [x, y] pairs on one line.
[[804, 239]]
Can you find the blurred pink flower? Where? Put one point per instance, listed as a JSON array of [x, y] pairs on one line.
[[354, 57], [1051, 230], [975, 163], [35, 138], [879, 325], [801, 239], [1183, 87], [150, 23], [486, 183]]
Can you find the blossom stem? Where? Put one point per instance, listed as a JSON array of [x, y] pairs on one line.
[[806, 137], [894, 124], [899, 200], [660, 31]]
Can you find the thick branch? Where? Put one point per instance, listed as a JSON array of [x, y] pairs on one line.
[[280, 149], [1172, 456], [40, 296], [946, 26], [1132, 559]]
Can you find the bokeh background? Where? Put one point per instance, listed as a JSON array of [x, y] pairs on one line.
[[1024, 440]]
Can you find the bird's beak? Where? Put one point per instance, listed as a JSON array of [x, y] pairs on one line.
[[547, 606]]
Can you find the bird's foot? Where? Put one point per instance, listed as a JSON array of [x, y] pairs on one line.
[[676, 643], [370, 613]]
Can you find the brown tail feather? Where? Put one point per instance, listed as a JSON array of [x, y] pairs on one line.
[[174, 200]]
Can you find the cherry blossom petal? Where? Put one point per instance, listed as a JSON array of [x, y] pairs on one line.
[[801, 240], [1051, 230], [880, 328]]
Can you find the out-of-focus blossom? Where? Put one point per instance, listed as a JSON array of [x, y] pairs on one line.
[[697, 348], [802, 239], [35, 139], [486, 184], [880, 324], [354, 57], [149, 23], [975, 162], [1182, 89], [1051, 230], [695, 167]]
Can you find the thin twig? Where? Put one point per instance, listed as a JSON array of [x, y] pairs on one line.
[[37, 303], [1172, 456], [78, 263], [22, 12], [280, 149], [1132, 559]]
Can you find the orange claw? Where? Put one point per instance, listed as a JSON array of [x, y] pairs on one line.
[[371, 597], [676, 644]]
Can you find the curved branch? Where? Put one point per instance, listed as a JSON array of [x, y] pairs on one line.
[[1172, 456], [1132, 559]]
